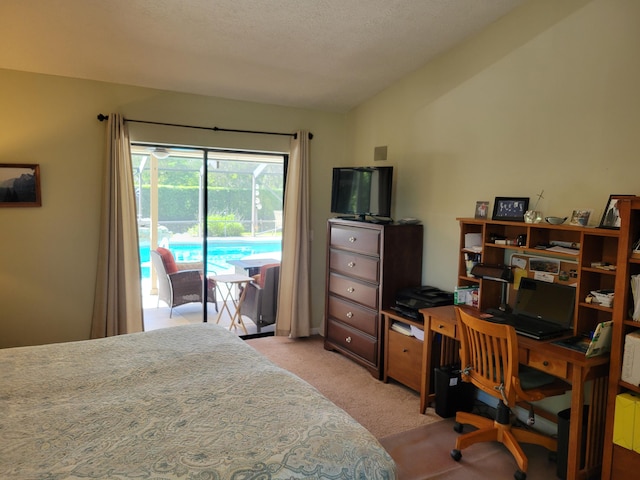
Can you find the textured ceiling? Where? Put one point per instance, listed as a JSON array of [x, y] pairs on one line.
[[321, 54]]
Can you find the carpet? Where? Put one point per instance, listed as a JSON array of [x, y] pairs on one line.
[[382, 408], [423, 453]]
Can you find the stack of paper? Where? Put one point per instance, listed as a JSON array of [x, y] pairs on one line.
[[635, 289]]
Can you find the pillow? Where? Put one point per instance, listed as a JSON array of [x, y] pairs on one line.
[[262, 275], [168, 260]]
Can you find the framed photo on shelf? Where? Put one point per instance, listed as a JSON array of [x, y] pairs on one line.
[[611, 215], [581, 217], [20, 185], [482, 209], [510, 209]]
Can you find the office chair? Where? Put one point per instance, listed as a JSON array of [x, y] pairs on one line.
[[489, 360]]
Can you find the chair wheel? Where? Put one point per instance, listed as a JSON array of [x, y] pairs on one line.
[[520, 475], [457, 427], [456, 454]]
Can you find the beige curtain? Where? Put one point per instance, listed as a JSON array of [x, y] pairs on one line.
[[117, 307], [294, 306]]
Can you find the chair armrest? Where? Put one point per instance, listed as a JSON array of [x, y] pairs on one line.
[[185, 282], [189, 266], [252, 301]]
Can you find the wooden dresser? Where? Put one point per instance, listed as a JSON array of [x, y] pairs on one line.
[[366, 265]]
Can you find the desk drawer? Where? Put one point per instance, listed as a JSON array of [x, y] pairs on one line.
[[447, 329], [354, 341], [354, 315], [354, 265], [404, 363], [552, 366], [354, 290], [361, 240]]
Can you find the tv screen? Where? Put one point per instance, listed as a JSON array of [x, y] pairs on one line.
[[362, 191]]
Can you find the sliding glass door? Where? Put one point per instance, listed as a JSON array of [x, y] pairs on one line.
[[208, 208]]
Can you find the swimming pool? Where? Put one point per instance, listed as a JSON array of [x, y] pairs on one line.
[[219, 251]]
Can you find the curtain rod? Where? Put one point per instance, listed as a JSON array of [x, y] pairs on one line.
[[102, 118]]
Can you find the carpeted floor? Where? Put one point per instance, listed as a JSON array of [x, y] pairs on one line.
[[382, 408], [420, 444]]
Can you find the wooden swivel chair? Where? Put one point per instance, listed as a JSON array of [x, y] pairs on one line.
[[489, 360]]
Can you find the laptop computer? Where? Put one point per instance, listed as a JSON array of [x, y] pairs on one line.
[[542, 310], [591, 346]]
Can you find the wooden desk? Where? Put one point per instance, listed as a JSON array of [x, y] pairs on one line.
[[561, 362]]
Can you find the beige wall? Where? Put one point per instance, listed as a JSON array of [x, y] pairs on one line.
[[545, 99], [48, 254]]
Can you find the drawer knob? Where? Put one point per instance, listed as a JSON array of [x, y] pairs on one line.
[[440, 326], [349, 314], [352, 239], [404, 350], [348, 339], [351, 289], [351, 264], [545, 363]]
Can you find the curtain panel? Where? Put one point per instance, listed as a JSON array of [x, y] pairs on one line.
[[117, 305], [294, 305]]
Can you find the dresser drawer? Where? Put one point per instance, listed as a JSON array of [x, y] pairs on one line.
[[354, 315], [354, 341], [555, 367], [362, 240], [404, 362], [354, 290], [354, 265]]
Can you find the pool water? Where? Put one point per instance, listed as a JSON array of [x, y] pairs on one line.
[[219, 251]]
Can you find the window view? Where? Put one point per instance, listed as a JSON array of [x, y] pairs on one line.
[[243, 212]]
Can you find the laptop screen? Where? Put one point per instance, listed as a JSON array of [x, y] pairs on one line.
[[553, 302]]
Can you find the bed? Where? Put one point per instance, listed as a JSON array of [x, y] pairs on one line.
[[192, 402]]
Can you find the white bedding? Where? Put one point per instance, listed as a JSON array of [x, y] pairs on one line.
[[191, 403]]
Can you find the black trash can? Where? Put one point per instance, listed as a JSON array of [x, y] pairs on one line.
[[563, 440], [452, 394]]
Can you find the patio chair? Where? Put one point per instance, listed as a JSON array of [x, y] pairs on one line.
[[180, 283], [261, 298]]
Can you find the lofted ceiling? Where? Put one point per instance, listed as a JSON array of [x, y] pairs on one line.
[[320, 54]]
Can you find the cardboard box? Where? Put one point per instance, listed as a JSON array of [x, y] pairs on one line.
[[631, 359], [624, 420], [466, 296]]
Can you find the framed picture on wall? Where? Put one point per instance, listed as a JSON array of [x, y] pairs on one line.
[[510, 209], [20, 185]]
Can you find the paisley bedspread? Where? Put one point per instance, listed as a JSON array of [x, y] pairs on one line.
[[191, 402]]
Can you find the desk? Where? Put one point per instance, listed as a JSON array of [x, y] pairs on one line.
[[561, 362], [251, 265], [229, 281]]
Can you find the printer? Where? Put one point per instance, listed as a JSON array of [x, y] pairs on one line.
[[410, 300]]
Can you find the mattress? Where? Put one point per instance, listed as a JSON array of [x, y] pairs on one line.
[[192, 402]]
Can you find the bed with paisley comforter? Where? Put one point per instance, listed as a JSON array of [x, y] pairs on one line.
[[191, 403]]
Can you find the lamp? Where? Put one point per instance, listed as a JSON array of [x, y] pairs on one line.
[[498, 273]]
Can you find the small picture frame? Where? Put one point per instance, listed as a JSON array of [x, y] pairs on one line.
[[20, 185], [482, 210], [510, 209], [611, 215], [581, 217]]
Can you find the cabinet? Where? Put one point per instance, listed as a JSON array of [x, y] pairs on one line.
[[618, 462], [503, 243], [402, 353], [366, 265]]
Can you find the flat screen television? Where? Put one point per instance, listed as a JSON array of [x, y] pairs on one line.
[[361, 192]]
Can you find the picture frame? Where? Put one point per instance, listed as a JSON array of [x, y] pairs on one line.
[[20, 185], [510, 209], [580, 217], [610, 216], [482, 209]]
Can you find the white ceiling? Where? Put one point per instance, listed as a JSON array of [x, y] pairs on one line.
[[321, 54]]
